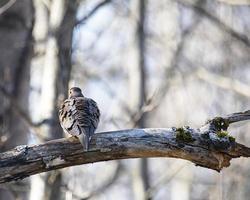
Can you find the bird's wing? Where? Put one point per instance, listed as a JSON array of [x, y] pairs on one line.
[[87, 114], [67, 117]]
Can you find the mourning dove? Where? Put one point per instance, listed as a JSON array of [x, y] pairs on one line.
[[79, 116]]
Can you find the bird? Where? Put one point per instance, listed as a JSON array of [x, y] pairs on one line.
[[79, 116]]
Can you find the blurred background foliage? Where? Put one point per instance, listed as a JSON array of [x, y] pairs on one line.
[[148, 63]]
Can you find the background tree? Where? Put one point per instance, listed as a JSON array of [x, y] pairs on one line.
[[148, 64], [16, 22]]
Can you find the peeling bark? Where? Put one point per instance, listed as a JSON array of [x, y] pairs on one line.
[[24, 161]]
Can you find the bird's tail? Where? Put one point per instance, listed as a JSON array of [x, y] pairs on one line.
[[84, 139]]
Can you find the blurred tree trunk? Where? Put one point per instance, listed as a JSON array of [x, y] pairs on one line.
[[16, 24], [56, 62], [137, 80]]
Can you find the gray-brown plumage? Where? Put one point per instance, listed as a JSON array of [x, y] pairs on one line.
[[79, 116]]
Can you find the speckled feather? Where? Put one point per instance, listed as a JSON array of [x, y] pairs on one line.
[[79, 116]]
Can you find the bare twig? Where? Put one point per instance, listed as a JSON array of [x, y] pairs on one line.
[[166, 178], [224, 82], [170, 72], [34, 126], [97, 191], [6, 6], [22, 113], [108, 183], [92, 12], [202, 11], [237, 117]]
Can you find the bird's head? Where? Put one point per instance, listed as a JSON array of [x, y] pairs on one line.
[[75, 92]]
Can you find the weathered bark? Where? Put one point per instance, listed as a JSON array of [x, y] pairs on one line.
[[204, 148]]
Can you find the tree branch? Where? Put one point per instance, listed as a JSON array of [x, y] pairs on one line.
[[17, 109], [202, 11], [237, 117], [92, 12], [236, 2], [205, 147], [6, 6], [224, 82]]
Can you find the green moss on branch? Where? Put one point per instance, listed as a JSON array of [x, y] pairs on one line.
[[182, 134]]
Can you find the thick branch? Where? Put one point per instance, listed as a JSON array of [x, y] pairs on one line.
[[198, 148], [237, 117]]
